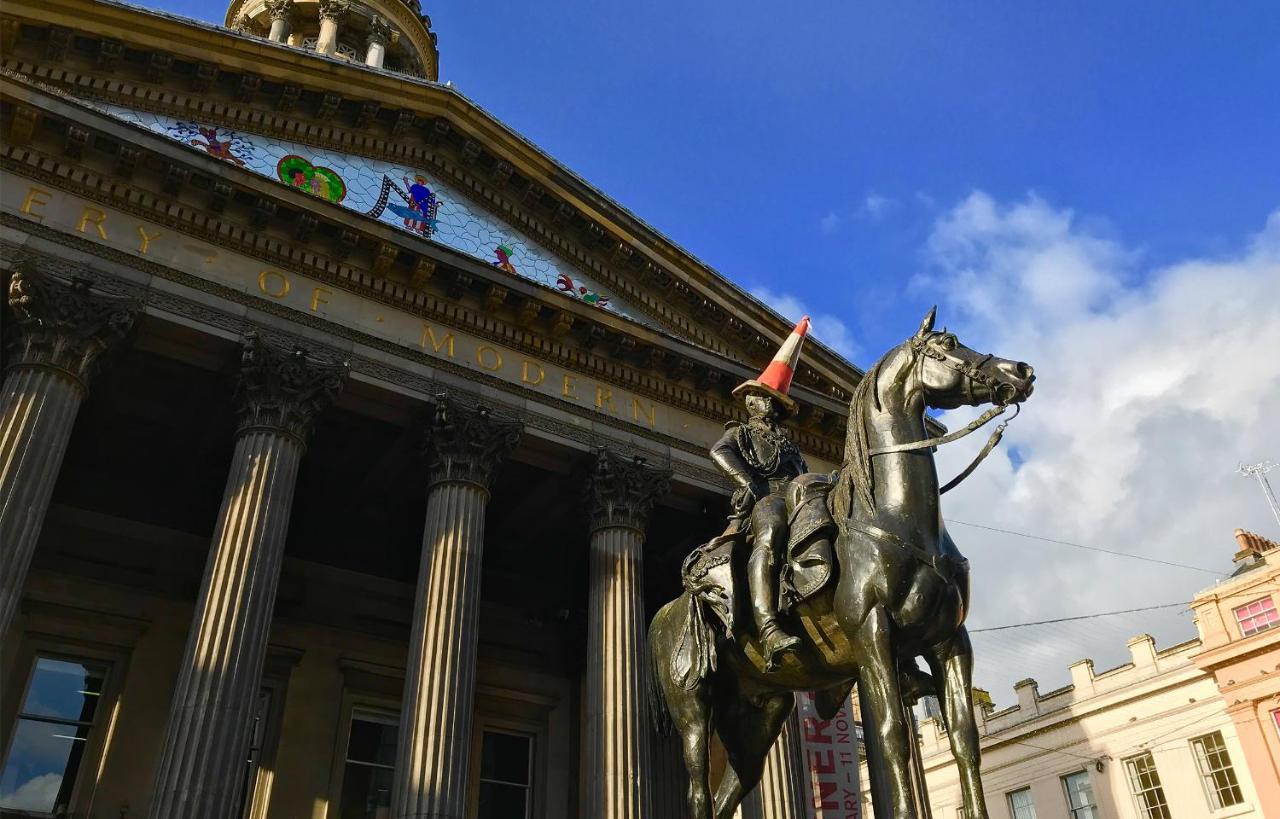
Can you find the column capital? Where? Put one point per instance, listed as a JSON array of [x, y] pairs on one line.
[[279, 9], [62, 325], [283, 389], [334, 9], [466, 442], [380, 31], [622, 490]]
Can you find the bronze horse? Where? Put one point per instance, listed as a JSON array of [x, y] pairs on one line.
[[900, 590]]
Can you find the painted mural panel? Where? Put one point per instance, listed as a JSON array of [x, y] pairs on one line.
[[404, 197]]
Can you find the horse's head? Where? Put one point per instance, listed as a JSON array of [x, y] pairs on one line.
[[952, 375]]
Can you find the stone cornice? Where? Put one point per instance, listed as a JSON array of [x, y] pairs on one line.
[[248, 196], [621, 439], [519, 170]]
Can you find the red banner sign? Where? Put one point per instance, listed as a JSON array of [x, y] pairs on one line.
[[831, 753]]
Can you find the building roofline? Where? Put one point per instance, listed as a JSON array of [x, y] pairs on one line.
[[593, 200]]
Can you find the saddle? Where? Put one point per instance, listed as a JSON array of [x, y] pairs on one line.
[[714, 572]]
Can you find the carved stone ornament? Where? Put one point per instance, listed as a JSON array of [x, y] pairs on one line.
[[623, 490], [279, 9], [283, 389], [62, 325], [334, 9], [379, 31], [466, 443]]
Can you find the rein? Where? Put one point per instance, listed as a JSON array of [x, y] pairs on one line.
[[975, 374]]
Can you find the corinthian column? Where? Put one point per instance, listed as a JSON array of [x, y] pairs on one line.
[[782, 787], [380, 34], [279, 12], [617, 743], [60, 331], [202, 766], [465, 447], [331, 13]]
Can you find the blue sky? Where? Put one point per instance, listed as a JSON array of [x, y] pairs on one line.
[[738, 128], [1092, 187]]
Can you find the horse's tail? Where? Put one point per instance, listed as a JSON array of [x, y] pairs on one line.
[[660, 714]]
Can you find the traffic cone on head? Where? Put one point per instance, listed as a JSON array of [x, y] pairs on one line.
[[775, 381]]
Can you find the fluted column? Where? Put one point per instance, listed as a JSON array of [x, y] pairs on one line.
[[60, 331], [617, 745], [279, 11], [379, 36], [331, 13], [201, 767], [465, 446], [782, 787]]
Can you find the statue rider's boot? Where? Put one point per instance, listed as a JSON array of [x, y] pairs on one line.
[[775, 643], [773, 640]]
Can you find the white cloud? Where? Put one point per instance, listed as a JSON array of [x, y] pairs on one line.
[[827, 328], [874, 206], [38, 793], [1153, 383]]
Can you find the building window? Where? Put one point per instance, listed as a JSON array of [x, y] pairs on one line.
[[50, 734], [1257, 616], [370, 766], [1020, 804], [1144, 784], [1216, 772], [1080, 795], [506, 776]]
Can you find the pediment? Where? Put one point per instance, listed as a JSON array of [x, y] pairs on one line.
[[409, 198]]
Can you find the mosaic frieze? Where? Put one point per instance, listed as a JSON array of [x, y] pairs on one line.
[[409, 199]]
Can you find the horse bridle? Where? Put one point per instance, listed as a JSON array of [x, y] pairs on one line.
[[974, 374]]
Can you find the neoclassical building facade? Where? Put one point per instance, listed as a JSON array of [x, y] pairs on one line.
[[348, 439]]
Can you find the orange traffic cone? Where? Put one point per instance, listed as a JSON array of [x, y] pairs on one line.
[[775, 381]]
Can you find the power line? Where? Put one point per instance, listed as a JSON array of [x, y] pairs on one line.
[[1089, 548], [1077, 617]]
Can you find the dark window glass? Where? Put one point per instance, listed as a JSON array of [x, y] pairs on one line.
[[371, 758], [505, 764], [50, 735]]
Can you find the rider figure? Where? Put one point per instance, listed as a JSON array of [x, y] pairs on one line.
[[761, 459]]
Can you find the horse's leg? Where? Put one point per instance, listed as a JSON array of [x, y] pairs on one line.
[[690, 710], [748, 731], [952, 663], [879, 676]]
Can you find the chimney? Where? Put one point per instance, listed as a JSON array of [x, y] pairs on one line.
[[1028, 696], [1252, 548]]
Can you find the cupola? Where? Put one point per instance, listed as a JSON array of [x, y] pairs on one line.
[[390, 34]]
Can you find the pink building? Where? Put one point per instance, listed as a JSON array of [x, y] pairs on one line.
[[1238, 620]]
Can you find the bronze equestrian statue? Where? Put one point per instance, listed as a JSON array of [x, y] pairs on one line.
[[869, 579]]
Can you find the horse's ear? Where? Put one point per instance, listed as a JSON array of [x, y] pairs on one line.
[[926, 326]]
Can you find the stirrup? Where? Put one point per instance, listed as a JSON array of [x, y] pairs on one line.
[[775, 643]]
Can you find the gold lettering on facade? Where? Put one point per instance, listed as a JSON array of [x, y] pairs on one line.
[[320, 296], [147, 239], [429, 336], [604, 398], [488, 358], [570, 389], [33, 199], [95, 217], [274, 283], [524, 373], [650, 413]]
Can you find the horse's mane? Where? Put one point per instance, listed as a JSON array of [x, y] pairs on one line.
[[856, 475]]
